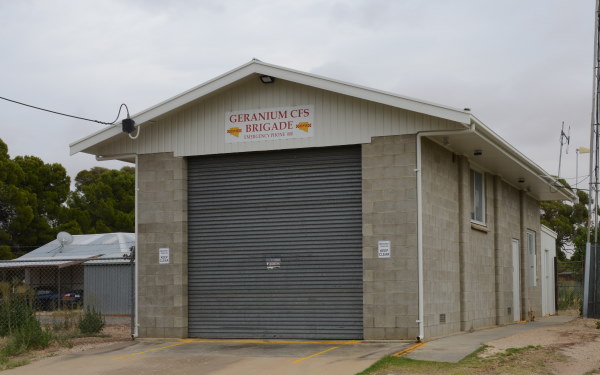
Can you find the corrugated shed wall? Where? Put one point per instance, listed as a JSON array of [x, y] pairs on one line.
[[107, 288], [198, 129]]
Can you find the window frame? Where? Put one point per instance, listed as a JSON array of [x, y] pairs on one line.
[[473, 188]]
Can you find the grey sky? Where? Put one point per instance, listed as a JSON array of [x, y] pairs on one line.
[[522, 67]]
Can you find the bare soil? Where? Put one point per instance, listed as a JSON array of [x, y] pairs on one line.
[[575, 346], [110, 334], [571, 348]]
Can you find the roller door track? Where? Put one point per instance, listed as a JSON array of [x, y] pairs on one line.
[[275, 244]]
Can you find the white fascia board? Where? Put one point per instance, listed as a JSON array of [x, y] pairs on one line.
[[94, 138], [549, 231], [165, 106], [259, 67], [340, 87], [494, 139]]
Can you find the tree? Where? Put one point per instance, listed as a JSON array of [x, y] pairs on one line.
[[50, 185], [569, 221], [103, 200], [15, 203]]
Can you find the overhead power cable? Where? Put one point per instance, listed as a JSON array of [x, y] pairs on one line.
[[72, 116]]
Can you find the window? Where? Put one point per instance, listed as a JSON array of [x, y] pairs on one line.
[[531, 258], [477, 197]]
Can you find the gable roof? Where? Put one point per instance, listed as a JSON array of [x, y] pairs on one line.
[[499, 156], [258, 67]]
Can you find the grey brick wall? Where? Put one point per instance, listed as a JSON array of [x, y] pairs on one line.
[[162, 223], [468, 272], [468, 268], [508, 224], [441, 239], [389, 213]]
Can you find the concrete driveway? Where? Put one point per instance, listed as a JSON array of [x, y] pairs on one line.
[[219, 357]]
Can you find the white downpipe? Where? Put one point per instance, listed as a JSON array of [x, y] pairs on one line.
[[137, 251], [421, 319]]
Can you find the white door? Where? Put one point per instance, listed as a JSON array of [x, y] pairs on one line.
[[516, 261]]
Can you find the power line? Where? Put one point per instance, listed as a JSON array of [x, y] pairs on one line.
[[67, 115]]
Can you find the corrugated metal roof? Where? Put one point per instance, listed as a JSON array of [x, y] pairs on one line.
[[105, 247]]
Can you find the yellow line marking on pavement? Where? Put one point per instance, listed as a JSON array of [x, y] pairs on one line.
[[191, 341], [408, 350], [268, 342], [148, 351], [316, 354]]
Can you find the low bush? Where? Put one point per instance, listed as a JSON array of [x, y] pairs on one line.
[[30, 335], [91, 323], [15, 307]]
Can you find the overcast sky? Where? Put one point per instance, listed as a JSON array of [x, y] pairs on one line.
[[522, 67]]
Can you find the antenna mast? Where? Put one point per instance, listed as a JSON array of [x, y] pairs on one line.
[[594, 159], [563, 136]]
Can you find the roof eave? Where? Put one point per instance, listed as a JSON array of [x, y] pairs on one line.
[[522, 160]]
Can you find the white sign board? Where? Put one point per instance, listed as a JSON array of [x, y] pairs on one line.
[[384, 249], [163, 256], [269, 124], [273, 263]]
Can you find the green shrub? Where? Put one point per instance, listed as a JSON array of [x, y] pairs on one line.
[[91, 323], [30, 335], [15, 307]]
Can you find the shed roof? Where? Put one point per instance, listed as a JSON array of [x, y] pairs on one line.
[[498, 156], [86, 246]]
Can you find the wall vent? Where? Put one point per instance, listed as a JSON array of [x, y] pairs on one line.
[[509, 310], [442, 318]]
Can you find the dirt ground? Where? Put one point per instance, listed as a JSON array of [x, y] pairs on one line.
[[110, 334], [578, 341]]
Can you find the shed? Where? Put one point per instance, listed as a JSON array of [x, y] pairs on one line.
[[298, 206], [98, 264]]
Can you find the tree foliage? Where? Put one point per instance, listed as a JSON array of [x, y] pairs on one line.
[[104, 200], [36, 202], [569, 221]]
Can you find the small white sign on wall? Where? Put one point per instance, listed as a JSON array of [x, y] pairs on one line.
[[163, 256], [384, 249]]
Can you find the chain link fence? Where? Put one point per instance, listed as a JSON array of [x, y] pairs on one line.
[[56, 288], [569, 285]]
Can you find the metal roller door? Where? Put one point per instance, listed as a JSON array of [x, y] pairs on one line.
[[275, 244]]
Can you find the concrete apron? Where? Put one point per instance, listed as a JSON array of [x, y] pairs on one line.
[[219, 357]]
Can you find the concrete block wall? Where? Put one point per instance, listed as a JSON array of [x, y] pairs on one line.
[[531, 222], [390, 306], [468, 268], [441, 240], [508, 224], [479, 267], [162, 223]]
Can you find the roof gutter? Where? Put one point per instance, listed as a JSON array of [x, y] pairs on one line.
[[418, 170]]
